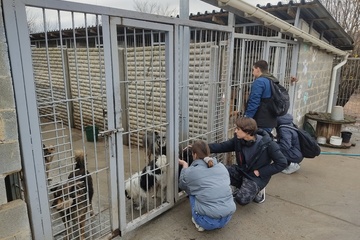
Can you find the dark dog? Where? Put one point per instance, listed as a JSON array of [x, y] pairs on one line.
[[153, 142], [141, 183], [73, 199], [48, 157]]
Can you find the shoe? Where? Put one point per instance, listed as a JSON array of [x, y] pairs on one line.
[[293, 167], [260, 197], [200, 229]]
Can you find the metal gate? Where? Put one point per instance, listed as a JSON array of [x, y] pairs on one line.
[[77, 90], [248, 50], [91, 84]]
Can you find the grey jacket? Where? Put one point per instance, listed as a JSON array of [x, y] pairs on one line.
[[211, 188]]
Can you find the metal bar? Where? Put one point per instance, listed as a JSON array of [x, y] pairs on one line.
[[31, 147], [113, 110]]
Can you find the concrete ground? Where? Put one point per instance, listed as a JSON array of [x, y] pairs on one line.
[[320, 201]]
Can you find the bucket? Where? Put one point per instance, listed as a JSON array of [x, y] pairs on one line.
[[346, 136], [90, 133], [337, 113], [321, 140], [335, 140]]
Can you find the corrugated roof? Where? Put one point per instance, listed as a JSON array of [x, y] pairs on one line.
[[312, 12], [316, 15]]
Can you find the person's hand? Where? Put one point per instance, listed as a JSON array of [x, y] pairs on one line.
[[188, 146], [256, 172], [293, 79], [183, 163]]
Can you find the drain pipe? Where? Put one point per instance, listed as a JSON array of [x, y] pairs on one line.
[[332, 84], [270, 19]]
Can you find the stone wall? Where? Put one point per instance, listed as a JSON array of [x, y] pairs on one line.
[[314, 74], [14, 223]]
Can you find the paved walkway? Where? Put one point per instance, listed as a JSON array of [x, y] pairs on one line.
[[319, 202]]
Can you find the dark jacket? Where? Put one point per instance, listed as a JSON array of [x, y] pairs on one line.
[[264, 155], [288, 140], [259, 99]]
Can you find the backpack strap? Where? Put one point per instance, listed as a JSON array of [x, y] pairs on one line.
[[287, 126]]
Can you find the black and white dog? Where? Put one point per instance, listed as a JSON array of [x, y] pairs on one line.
[[139, 185], [153, 142]]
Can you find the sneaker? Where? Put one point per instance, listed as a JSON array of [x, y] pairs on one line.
[[200, 229], [260, 197], [293, 167]]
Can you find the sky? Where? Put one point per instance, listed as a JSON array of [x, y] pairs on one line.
[[35, 14]]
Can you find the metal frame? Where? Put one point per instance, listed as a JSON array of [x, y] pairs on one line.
[[177, 54], [29, 130]]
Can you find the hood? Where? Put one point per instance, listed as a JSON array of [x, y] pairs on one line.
[[262, 132], [263, 135], [270, 76], [285, 119]]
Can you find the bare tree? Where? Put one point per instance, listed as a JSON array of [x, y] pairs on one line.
[[35, 21], [154, 8], [31, 20], [347, 14]]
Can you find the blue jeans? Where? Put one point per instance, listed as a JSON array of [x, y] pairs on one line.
[[206, 222]]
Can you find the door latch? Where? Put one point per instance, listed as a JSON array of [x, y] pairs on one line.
[[110, 131]]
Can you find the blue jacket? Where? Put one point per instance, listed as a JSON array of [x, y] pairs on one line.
[[288, 140], [269, 159], [258, 99], [211, 188]]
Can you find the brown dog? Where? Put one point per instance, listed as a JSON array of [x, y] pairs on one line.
[[48, 157], [73, 199]]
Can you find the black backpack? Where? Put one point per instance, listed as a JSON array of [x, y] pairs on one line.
[[280, 99], [309, 146]]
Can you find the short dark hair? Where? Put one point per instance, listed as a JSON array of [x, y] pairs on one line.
[[247, 125], [263, 65]]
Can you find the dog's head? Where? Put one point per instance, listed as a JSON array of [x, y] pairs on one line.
[[79, 159], [48, 152], [160, 144], [160, 140]]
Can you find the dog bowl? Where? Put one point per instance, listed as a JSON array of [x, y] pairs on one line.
[[321, 140], [335, 140]]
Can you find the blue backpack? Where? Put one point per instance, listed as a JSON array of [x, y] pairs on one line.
[[309, 146]]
